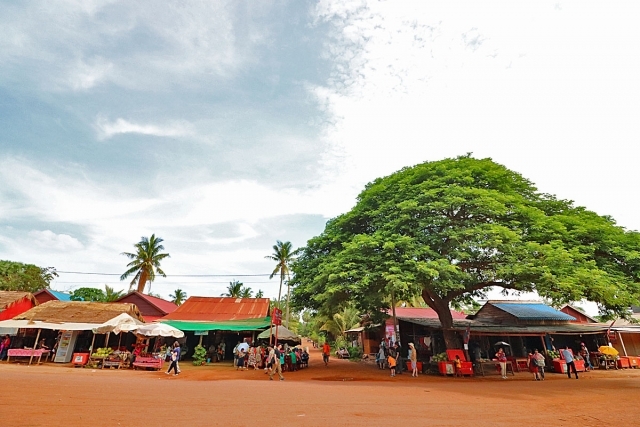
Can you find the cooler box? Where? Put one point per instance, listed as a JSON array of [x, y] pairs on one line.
[[559, 366], [466, 367], [446, 368], [80, 359], [623, 363], [579, 365], [634, 362]]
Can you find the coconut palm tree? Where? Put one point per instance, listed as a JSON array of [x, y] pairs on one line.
[[246, 293], [145, 263], [111, 295], [234, 290], [178, 296], [259, 294], [341, 322], [283, 255]]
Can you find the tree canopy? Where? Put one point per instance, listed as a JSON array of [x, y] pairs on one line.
[[284, 255], [451, 230], [16, 276], [88, 294], [145, 263]]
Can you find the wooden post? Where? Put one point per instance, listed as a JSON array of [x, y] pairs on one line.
[[119, 340], [276, 336], [34, 345], [200, 343], [624, 349], [106, 339], [396, 333], [93, 339]]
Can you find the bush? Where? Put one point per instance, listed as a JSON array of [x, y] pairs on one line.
[[199, 354], [355, 353]]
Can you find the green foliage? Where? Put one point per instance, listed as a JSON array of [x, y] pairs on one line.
[[355, 353], [16, 276], [259, 294], [110, 295], [88, 294], [199, 355], [451, 230], [145, 263], [237, 290], [178, 296], [284, 255], [341, 322]]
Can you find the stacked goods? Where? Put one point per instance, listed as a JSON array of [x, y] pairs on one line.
[[553, 354], [442, 357], [102, 353]]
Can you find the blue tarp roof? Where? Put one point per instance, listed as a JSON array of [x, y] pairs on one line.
[[533, 311], [60, 295]]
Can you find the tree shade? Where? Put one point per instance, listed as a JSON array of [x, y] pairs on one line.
[[453, 229]]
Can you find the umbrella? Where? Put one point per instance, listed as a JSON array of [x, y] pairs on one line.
[[243, 346], [159, 330], [609, 351], [121, 323], [502, 343], [284, 334]]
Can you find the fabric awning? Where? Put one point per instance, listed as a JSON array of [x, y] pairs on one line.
[[284, 334], [37, 324], [230, 325]]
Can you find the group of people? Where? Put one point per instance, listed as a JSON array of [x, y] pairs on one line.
[[392, 358], [5, 344], [256, 357]]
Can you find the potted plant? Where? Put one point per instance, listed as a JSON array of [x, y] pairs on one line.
[[199, 355]]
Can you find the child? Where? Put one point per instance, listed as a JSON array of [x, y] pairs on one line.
[[458, 366], [392, 364]]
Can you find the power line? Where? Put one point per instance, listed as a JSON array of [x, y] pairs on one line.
[[171, 275], [163, 282]]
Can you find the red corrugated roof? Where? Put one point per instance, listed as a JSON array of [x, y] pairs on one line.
[[215, 309], [423, 313], [163, 306]]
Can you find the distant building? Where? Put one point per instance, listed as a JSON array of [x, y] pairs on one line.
[[45, 295], [13, 303], [151, 308]]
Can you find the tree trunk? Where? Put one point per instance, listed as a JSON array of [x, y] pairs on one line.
[[280, 290], [396, 332], [288, 294], [441, 307], [142, 282]]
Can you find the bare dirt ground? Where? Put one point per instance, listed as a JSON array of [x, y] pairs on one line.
[[345, 393]]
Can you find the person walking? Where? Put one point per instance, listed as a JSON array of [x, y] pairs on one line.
[[273, 363], [568, 357], [392, 364], [540, 362], [584, 352], [380, 357], [413, 357], [175, 356], [399, 357], [533, 366], [326, 351], [502, 359]]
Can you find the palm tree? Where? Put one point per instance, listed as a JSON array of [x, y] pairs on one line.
[[246, 293], [283, 255], [178, 296], [234, 290], [110, 295], [341, 322], [145, 263], [259, 294]]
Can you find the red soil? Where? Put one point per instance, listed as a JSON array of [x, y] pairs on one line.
[[345, 393]]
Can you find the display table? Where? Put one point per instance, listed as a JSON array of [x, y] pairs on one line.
[[27, 352], [148, 362], [492, 367]]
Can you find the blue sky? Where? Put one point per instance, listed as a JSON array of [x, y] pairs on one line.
[[223, 126]]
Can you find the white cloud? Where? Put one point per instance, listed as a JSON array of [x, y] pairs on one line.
[[549, 93], [85, 75], [120, 126], [47, 239]]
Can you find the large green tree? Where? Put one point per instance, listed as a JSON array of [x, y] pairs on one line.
[[284, 255], [453, 229], [145, 262], [16, 276], [88, 294]]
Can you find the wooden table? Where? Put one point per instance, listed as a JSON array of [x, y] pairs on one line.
[[28, 352], [480, 366], [520, 363]]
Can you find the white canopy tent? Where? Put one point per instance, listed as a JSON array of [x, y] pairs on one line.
[[158, 330]]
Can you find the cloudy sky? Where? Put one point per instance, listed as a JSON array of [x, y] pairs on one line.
[[224, 126]]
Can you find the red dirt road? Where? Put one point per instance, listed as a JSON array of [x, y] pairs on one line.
[[345, 393]]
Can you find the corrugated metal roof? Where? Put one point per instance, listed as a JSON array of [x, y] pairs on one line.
[[532, 311], [423, 313], [61, 296], [216, 309], [497, 329]]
